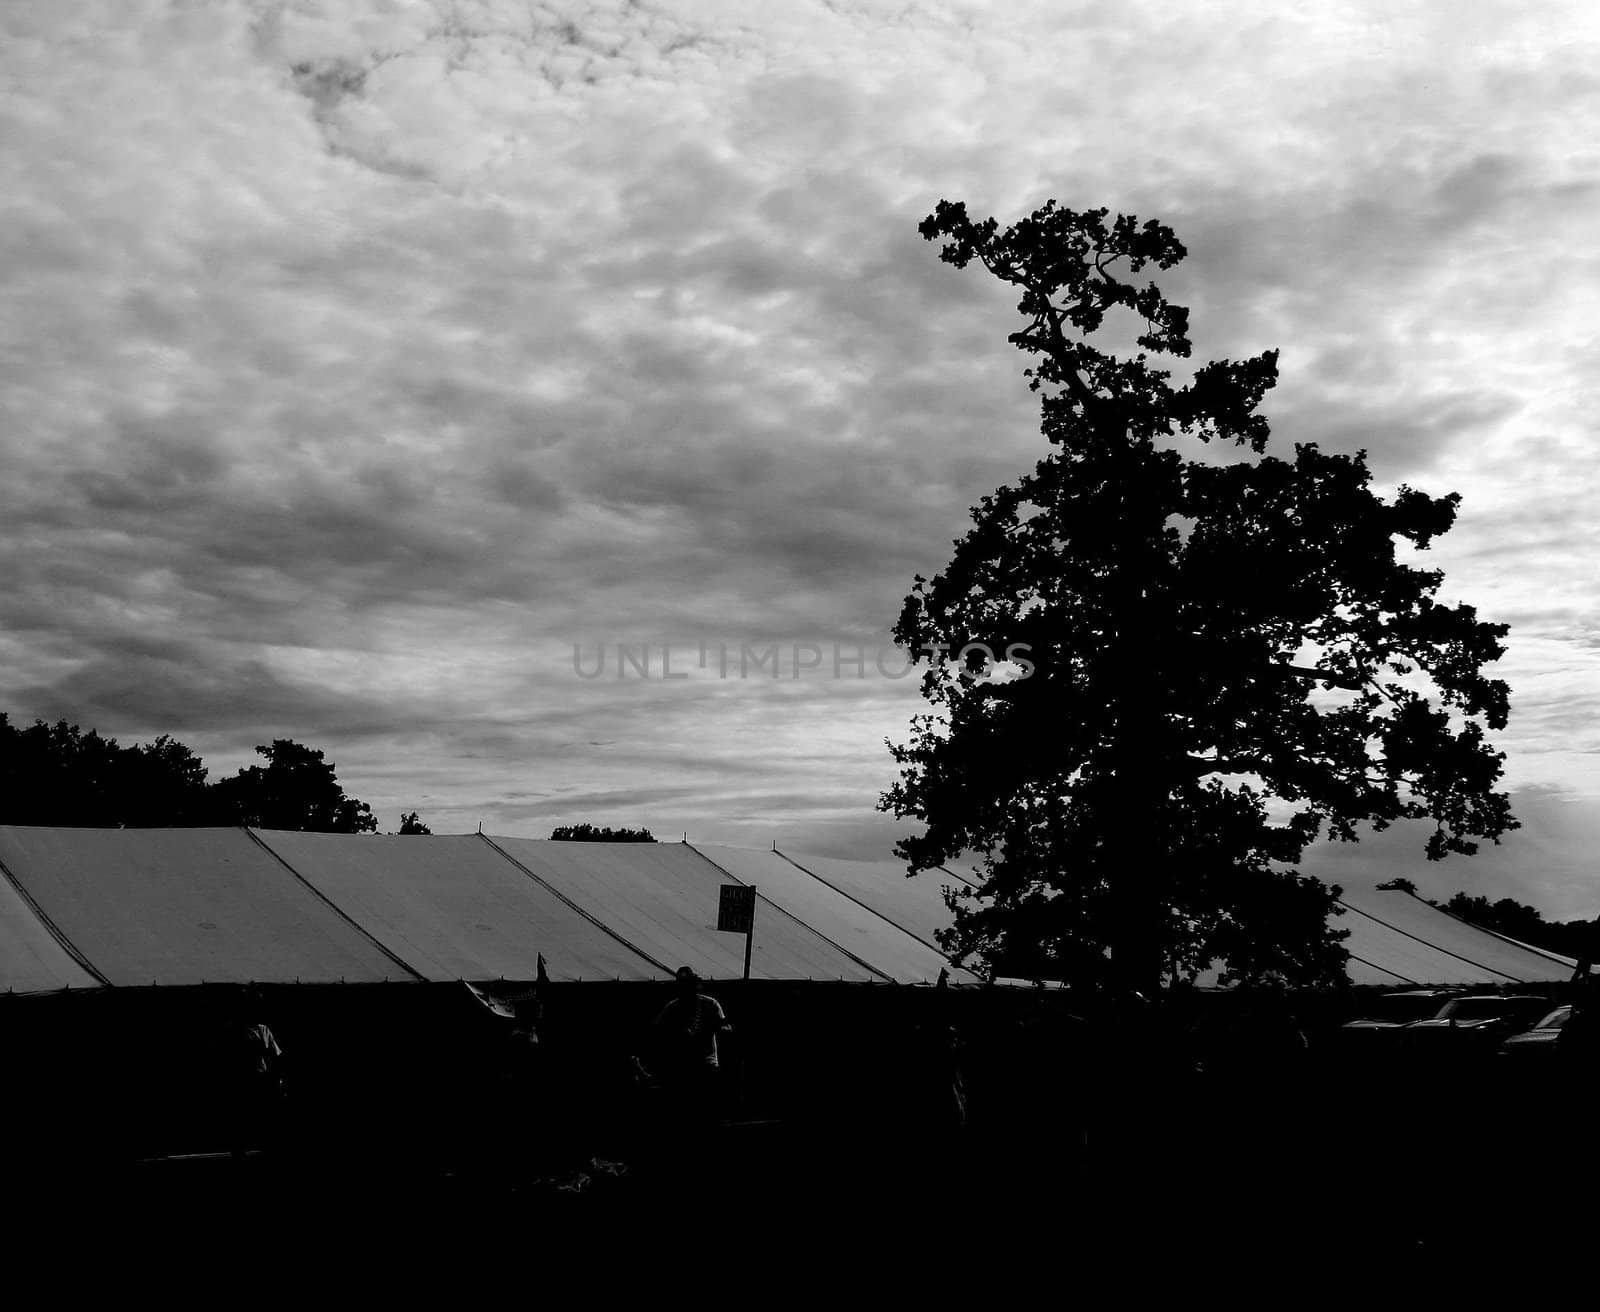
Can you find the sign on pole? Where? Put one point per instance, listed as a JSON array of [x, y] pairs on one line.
[[736, 909], [736, 914]]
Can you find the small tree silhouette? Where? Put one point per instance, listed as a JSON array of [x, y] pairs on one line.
[[587, 833]]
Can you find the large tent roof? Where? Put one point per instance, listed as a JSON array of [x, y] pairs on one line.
[[881, 943], [186, 906], [452, 907], [662, 898], [86, 907]]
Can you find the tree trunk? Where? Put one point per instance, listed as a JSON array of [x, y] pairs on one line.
[[1137, 848]]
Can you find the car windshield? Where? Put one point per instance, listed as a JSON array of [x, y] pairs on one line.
[[1476, 1008], [1405, 1006]]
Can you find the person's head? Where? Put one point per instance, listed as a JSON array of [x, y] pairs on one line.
[[687, 982]]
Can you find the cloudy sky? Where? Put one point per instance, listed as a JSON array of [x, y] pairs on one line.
[[361, 358]]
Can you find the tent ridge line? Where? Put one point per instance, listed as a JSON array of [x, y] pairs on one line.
[[1504, 938], [783, 911], [334, 907], [1427, 944], [54, 930], [568, 902], [970, 883]]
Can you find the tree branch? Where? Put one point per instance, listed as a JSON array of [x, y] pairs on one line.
[[1081, 392], [1202, 765], [1323, 676]]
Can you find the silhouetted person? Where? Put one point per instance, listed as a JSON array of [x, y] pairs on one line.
[[939, 1092], [252, 1074], [1036, 1104], [685, 1038], [684, 1072], [923, 1144], [1256, 1126]]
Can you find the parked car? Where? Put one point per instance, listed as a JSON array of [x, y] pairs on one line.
[[1393, 1011], [1483, 1017], [1542, 1037]]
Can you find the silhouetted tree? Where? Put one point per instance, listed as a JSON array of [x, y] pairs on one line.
[[1572, 938], [1505, 916], [1228, 656], [56, 774], [587, 833], [411, 823], [1399, 884], [296, 789], [165, 785]]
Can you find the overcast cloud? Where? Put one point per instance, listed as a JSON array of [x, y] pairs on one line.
[[359, 358]]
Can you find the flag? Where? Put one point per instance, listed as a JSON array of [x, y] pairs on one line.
[[495, 1008]]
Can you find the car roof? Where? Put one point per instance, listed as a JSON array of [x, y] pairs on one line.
[[1500, 997]]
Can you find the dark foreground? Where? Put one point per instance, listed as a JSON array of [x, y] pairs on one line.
[[786, 1204], [1118, 1153]]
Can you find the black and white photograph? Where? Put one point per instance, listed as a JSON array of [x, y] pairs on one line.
[[944, 639]]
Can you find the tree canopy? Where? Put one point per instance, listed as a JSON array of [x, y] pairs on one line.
[[1230, 655], [296, 789], [587, 833], [57, 774], [411, 823]]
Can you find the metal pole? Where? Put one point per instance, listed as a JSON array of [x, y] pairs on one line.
[[750, 932]]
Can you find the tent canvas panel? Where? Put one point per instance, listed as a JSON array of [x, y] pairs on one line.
[[916, 905], [883, 945], [452, 907], [662, 897], [1382, 955], [1487, 957], [186, 906]]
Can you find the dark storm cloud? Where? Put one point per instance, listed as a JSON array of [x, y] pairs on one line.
[[187, 690]]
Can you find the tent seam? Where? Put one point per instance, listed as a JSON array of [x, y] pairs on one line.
[[837, 947], [865, 907], [1427, 944], [52, 928], [1384, 969], [970, 883], [334, 907], [1504, 938], [567, 901]]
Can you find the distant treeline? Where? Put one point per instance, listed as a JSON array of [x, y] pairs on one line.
[[1570, 938], [57, 774], [587, 833], [62, 776]]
